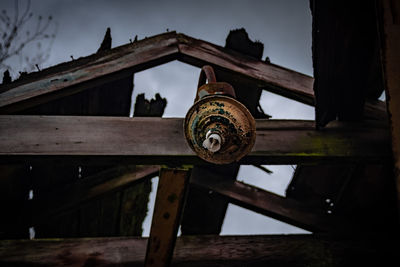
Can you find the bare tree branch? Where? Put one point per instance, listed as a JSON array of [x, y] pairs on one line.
[[16, 34]]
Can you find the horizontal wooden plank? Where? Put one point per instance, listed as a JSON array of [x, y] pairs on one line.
[[272, 250], [269, 204], [158, 141]]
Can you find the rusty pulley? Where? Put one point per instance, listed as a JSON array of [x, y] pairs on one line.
[[217, 127]]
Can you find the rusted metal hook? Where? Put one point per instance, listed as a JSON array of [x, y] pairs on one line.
[[207, 74], [212, 87]]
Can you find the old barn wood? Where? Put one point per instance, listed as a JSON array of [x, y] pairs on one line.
[[66, 79], [171, 192], [269, 204], [73, 164], [283, 142], [271, 250]]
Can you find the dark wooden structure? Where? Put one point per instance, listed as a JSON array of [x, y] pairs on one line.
[[65, 134]]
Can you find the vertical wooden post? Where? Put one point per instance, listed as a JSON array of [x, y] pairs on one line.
[[172, 187], [390, 38]]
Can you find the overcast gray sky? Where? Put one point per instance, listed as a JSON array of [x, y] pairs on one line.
[[283, 26]]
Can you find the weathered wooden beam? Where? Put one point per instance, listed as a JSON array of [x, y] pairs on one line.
[[267, 203], [280, 80], [85, 73], [390, 38], [272, 250], [70, 78], [172, 187], [270, 77], [88, 189], [157, 140]]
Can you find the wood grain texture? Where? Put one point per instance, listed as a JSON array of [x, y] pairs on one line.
[[141, 139], [171, 191], [82, 74], [273, 250], [269, 204], [88, 72], [296, 85]]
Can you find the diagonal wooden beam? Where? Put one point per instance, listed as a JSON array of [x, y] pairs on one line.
[[157, 140], [267, 203], [172, 186], [72, 77], [69, 78], [88, 189], [270, 77], [280, 80]]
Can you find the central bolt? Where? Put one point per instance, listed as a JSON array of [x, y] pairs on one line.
[[212, 142]]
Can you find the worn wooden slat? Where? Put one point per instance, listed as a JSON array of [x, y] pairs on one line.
[[108, 99], [215, 251], [148, 140], [296, 85], [390, 37], [168, 207], [148, 53], [271, 77], [93, 71], [267, 203]]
